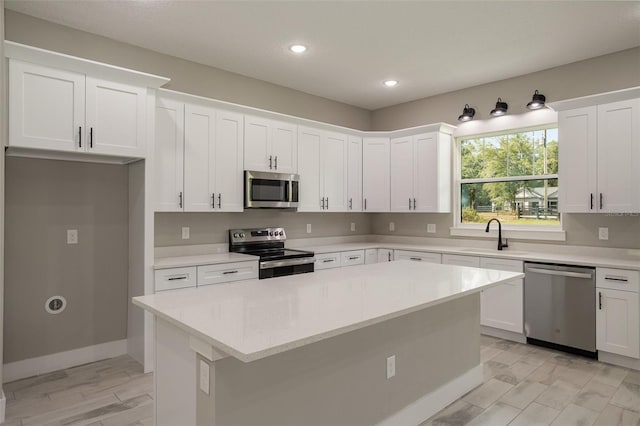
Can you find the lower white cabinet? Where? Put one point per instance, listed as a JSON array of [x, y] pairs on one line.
[[370, 256], [617, 313], [385, 255], [226, 272], [417, 256], [350, 258], [455, 259], [327, 260], [175, 278], [502, 306]]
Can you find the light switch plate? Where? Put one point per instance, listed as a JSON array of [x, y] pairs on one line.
[[391, 366], [308, 228], [603, 233], [431, 228], [353, 226], [392, 226], [185, 233], [204, 377], [72, 236]]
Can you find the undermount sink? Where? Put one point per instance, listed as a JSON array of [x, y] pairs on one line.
[[493, 251]]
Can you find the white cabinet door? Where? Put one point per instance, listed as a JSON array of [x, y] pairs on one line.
[[432, 174], [257, 144], [455, 259], [619, 157], [309, 141], [502, 306], [327, 261], [334, 163], [229, 170], [370, 256], [417, 256], [385, 255], [169, 155], [115, 118], [617, 322], [375, 174], [46, 108], [354, 177], [577, 165], [284, 147], [199, 158], [351, 258], [402, 156]]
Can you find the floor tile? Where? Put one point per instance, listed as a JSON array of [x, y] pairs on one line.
[[633, 376], [523, 394], [498, 414], [594, 395], [576, 415], [507, 357], [535, 415], [515, 373], [611, 375], [558, 395], [457, 414], [627, 396], [488, 393], [616, 416], [488, 352]]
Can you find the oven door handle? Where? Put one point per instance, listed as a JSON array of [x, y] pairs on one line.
[[287, 262]]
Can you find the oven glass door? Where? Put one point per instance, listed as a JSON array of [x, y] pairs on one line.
[[269, 190]]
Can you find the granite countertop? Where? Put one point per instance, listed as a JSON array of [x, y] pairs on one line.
[[202, 259], [253, 319]]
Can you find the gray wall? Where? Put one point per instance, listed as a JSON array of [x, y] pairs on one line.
[[44, 198], [186, 76], [596, 75], [211, 228], [2, 143]]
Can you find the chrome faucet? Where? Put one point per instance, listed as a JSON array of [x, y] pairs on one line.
[[501, 245]]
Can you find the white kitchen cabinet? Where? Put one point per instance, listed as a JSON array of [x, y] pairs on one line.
[[270, 145], [375, 174], [175, 278], [354, 176], [617, 311], [502, 306], [351, 258], [599, 151], [327, 260], [169, 155], [385, 255], [417, 256], [421, 173], [227, 272], [456, 259], [370, 256], [52, 109], [322, 166], [199, 154]]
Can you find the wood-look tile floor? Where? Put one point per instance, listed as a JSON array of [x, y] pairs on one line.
[[110, 392], [523, 385], [529, 385]]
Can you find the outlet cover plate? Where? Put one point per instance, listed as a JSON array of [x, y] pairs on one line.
[[72, 236], [186, 233], [603, 233], [392, 226], [431, 228]]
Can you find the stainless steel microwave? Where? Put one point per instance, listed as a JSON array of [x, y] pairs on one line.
[[266, 190]]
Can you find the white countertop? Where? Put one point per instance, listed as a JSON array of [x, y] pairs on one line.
[[203, 259], [253, 319]]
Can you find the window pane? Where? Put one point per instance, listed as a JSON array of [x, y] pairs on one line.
[[471, 158], [531, 202]]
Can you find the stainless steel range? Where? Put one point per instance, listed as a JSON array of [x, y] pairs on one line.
[[268, 243]]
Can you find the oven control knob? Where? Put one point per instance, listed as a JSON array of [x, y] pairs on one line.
[[236, 235], [271, 233], [242, 235], [281, 233]]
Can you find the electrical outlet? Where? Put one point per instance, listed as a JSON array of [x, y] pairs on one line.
[[185, 233], [603, 233], [308, 228], [72, 236], [391, 366], [431, 228], [353, 227], [204, 377], [392, 226]]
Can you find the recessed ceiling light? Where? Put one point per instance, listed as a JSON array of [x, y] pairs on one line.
[[391, 83], [298, 48]]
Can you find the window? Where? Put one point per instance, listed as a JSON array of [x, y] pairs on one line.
[[512, 176]]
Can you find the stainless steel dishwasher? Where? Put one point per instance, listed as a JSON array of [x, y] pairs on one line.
[[560, 307]]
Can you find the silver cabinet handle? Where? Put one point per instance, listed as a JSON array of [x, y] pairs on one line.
[[365, 203], [591, 201], [270, 162], [229, 272], [183, 277], [276, 163], [414, 203], [618, 279], [416, 259], [350, 203], [328, 260], [559, 273], [180, 199], [600, 300], [220, 200], [354, 257], [409, 203], [91, 137], [322, 203], [327, 203], [80, 137], [213, 200], [601, 201], [389, 256]]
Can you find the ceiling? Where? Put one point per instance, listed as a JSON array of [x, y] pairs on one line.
[[431, 47]]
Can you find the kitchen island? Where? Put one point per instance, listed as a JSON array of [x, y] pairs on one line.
[[389, 343]]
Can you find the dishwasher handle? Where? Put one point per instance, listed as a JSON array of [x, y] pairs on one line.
[[560, 273]]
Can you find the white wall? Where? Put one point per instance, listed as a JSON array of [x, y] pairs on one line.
[[3, 103]]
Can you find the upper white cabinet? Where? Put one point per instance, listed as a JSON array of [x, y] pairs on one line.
[[421, 173], [58, 110], [375, 174], [322, 166], [354, 177], [599, 150], [270, 145], [199, 154]]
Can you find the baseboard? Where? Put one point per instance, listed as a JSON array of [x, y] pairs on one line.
[[503, 334], [48, 363], [3, 405], [425, 407], [620, 360]]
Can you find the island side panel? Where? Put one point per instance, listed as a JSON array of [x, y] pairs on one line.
[[342, 380]]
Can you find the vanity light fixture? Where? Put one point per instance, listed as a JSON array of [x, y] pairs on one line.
[[537, 102], [500, 109], [391, 83], [467, 113], [298, 48]]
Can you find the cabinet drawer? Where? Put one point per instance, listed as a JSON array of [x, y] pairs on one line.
[[349, 258], [455, 259], [225, 272], [327, 260], [417, 256], [501, 264], [174, 278], [371, 256], [618, 279]]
